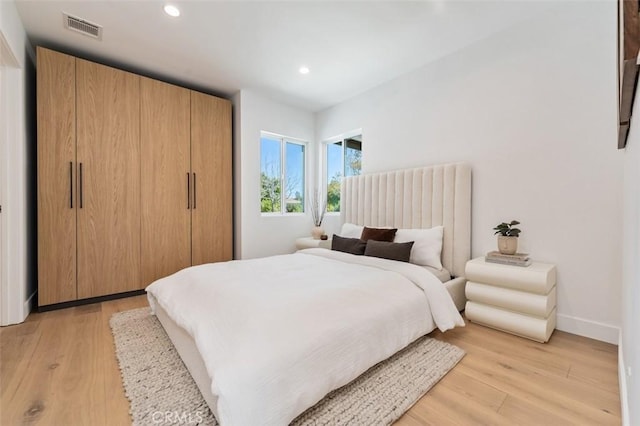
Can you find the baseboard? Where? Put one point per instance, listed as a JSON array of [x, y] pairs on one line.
[[28, 305], [587, 328], [80, 302], [622, 380]]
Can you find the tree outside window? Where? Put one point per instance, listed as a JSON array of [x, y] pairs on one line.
[[282, 175], [343, 158]]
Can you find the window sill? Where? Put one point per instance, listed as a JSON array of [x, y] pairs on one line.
[[283, 214]]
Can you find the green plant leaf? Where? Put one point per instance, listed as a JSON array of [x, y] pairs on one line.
[[507, 230]]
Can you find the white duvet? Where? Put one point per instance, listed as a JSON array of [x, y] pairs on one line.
[[277, 334]]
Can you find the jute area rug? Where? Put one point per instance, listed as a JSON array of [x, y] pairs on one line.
[[161, 390]]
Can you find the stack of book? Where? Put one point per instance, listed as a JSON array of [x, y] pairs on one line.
[[518, 259]]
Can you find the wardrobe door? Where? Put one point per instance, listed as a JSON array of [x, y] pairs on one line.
[[108, 144], [212, 235], [165, 174], [56, 173]]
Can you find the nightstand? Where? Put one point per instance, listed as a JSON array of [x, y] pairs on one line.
[[518, 300], [309, 242]]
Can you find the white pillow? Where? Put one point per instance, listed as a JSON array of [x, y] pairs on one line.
[[427, 245], [349, 230]]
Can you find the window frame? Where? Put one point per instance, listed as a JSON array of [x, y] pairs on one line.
[[324, 164], [283, 167]]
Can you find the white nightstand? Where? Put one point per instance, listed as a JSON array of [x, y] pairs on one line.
[[309, 242], [518, 300]]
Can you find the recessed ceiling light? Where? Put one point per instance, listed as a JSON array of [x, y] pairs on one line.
[[304, 70], [171, 10]]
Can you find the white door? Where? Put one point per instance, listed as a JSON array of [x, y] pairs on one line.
[[2, 184], [8, 64]]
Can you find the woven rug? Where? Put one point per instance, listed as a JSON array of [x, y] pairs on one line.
[[161, 390]]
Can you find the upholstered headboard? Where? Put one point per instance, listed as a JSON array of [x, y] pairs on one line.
[[416, 198]]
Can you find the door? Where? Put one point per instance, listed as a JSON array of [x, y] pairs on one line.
[[165, 174], [108, 176], [212, 235], [56, 177]]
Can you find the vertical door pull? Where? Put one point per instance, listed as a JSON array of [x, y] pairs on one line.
[[80, 185], [70, 184], [194, 191], [188, 192]]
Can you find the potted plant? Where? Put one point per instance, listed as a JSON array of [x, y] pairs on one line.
[[317, 214], [507, 237]]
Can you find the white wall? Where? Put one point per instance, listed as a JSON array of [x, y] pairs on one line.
[[14, 122], [630, 330], [256, 235], [533, 109]]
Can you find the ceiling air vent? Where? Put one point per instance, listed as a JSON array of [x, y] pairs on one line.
[[82, 26]]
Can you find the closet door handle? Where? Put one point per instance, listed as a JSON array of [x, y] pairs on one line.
[[188, 191], [80, 185], [194, 191], [70, 184]]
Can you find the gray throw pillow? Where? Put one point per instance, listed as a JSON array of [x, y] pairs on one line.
[[387, 250], [348, 245]]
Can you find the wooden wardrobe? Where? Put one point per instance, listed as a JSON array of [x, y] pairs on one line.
[[134, 179]]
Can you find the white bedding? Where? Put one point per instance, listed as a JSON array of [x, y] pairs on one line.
[[277, 334]]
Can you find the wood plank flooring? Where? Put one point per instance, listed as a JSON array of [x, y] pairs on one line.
[[59, 368]]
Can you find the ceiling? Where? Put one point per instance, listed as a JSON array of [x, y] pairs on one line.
[[225, 46]]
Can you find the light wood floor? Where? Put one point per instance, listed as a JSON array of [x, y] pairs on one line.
[[59, 368]]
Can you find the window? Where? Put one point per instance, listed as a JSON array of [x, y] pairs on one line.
[[282, 174], [343, 158]]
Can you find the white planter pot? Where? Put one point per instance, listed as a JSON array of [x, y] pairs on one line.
[[507, 245]]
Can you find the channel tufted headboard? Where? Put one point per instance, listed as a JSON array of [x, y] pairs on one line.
[[416, 198]]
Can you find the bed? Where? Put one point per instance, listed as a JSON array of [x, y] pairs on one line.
[[264, 339], [419, 198]]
